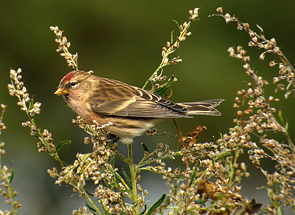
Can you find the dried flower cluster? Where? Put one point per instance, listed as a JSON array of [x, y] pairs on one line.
[[170, 48], [192, 187], [31, 108], [82, 211], [286, 70], [2, 126], [6, 177], [256, 119], [98, 167], [63, 48]]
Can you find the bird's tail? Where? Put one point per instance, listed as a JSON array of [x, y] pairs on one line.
[[203, 107]]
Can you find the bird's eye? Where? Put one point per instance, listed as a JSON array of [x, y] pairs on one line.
[[73, 83]]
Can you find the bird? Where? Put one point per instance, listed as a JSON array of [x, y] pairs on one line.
[[131, 110]]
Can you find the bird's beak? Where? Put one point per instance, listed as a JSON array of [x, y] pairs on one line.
[[61, 91]]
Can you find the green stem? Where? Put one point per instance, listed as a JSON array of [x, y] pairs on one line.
[[144, 162], [133, 179], [41, 137], [122, 181], [90, 200], [170, 50]]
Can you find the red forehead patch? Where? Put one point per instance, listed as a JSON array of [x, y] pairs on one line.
[[68, 77]]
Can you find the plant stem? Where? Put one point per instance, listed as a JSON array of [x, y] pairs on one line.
[[170, 50], [90, 200], [133, 178]]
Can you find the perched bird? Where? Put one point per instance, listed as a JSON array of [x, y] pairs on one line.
[[130, 109]]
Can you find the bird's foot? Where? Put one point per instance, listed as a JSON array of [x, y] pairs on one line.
[[111, 139]]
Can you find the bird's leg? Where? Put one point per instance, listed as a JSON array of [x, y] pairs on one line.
[[112, 139]]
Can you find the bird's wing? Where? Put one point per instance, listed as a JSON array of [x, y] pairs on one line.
[[119, 99], [203, 107]]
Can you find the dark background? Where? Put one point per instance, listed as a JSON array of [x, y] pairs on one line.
[[123, 40]]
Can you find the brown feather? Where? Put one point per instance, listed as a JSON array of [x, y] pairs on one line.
[[131, 110]]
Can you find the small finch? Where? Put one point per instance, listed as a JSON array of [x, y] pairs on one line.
[[130, 109]]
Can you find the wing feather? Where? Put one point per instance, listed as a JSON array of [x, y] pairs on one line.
[[203, 107], [119, 99]]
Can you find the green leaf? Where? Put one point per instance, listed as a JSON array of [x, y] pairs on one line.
[[262, 187], [104, 210], [144, 146], [219, 197], [224, 153], [110, 186], [102, 169], [127, 179], [91, 208], [181, 144], [118, 179], [31, 104], [156, 205], [287, 127], [194, 174], [163, 89], [176, 23], [168, 200], [280, 113], [112, 160], [63, 143], [142, 213], [280, 210], [200, 201], [255, 206], [12, 175]]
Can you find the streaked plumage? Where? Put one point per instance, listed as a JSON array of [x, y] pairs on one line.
[[131, 110]]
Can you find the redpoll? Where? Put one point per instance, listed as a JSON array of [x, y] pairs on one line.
[[130, 109]]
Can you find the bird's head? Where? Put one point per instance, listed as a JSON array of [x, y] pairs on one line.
[[73, 82]]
